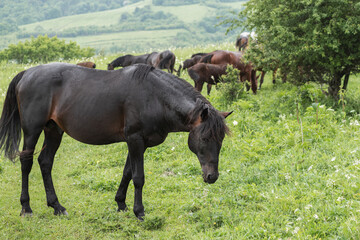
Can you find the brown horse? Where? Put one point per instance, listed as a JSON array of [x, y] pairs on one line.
[[206, 72], [87, 64], [195, 58], [138, 105], [247, 70]]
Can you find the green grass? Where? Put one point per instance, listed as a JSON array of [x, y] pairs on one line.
[[279, 179]]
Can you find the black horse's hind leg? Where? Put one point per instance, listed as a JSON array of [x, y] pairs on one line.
[[121, 193], [26, 159], [53, 136], [137, 148]]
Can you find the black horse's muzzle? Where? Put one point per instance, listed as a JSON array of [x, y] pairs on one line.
[[210, 177]]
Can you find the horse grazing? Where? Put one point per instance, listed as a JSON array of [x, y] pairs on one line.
[[127, 60], [221, 57], [162, 60], [206, 72], [195, 58], [87, 64], [138, 105]]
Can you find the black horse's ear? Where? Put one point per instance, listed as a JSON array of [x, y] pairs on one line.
[[205, 112], [226, 114]]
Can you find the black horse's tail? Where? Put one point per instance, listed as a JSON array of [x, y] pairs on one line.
[[10, 128], [206, 59], [179, 70]]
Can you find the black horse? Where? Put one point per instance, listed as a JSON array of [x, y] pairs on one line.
[[161, 60], [128, 60], [138, 105]]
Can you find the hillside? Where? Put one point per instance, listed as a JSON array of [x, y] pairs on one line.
[[138, 26]]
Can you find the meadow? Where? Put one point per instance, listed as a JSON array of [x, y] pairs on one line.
[[289, 170]]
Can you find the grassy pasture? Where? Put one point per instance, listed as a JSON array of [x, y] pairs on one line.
[[280, 178]]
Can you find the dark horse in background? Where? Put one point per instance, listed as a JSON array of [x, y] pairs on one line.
[[247, 70], [206, 72], [138, 105], [162, 60], [195, 58]]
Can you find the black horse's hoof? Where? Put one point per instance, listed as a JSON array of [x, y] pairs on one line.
[[60, 212], [26, 213], [122, 207], [140, 215]]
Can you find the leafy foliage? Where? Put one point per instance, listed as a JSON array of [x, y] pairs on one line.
[[44, 49], [230, 87], [313, 40]]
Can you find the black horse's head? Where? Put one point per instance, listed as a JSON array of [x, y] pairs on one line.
[[205, 139]]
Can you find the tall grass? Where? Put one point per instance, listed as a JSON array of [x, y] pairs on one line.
[[289, 170]]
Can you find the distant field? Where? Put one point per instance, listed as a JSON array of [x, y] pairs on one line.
[[186, 13], [152, 39], [190, 15]]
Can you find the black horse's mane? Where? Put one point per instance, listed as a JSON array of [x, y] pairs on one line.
[[214, 127]]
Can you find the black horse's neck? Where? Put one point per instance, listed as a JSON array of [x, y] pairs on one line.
[[176, 95]]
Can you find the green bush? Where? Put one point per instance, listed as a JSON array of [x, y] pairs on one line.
[[231, 88], [44, 49]]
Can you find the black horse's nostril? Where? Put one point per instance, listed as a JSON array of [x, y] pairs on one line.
[[211, 178]]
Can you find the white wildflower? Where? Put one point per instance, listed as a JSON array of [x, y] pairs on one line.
[[316, 216], [341, 198], [354, 123], [235, 123], [287, 176], [296, 230], [330, 183], [307, 207], [310, 168], [357, 162], [173, 148], [333, 159]]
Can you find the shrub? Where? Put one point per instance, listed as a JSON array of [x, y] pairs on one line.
[[231, 88], [44, 49]]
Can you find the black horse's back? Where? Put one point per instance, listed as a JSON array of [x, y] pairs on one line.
[[10, 128]]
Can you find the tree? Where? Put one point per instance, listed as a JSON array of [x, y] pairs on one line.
[[315, 40]]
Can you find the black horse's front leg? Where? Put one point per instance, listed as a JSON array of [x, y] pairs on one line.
[[137, 148]]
